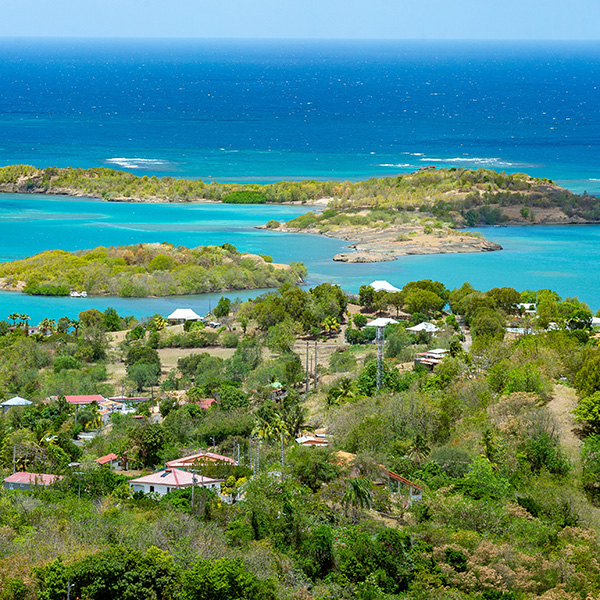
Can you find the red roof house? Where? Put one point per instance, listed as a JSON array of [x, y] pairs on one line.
[[167, 480], [83, 399], [25, 481], [187, 462]]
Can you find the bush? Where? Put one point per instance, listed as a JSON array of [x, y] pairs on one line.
[[342, 362]]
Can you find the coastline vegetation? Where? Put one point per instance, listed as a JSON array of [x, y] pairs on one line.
[[147, 270], [465, 196]]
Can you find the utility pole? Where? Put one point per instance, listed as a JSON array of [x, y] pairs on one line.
[[307, 373], [315, 386], [14, 459], [193, 488], [281, 456], [380, 339], [257, 457]]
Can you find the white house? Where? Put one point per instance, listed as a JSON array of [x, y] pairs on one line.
[[383, 285], [183, 314], [424, 326], [15, 401], [381, 322], [167, 480]]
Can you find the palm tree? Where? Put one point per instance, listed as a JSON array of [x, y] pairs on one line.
[[14, 317], [357, 495], [76, 325], [47, 325], [25, 322], [418, 450], [341, 392]]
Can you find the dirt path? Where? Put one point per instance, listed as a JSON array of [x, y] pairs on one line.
[[564, 400]]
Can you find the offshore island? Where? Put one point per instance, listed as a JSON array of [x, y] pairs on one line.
[[423, 212]]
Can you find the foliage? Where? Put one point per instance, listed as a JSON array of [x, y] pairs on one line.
[[148, 270]]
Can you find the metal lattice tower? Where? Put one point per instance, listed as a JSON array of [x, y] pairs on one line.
[[379, 341]]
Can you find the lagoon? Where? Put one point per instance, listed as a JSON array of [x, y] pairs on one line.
[[563, 258]]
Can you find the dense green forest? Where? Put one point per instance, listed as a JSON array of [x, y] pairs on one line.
[[502, 436], [471, 196], [147, 270]]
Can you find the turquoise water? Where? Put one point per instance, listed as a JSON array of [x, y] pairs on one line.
[[563, 258]]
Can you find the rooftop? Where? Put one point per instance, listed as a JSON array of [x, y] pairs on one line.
[[35, 478], [173, 478]]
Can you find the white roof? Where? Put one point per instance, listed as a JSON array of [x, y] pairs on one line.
[[381, 322], [383, 285], [17, 401], [184, 314], [428, 327], [595, 321]]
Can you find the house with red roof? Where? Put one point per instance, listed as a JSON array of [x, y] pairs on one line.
[[167, 480], [188, 462], [112, 460], [82, 399], [26, 481], [205, 403]]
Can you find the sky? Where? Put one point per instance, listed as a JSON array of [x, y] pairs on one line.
[[334, 19]]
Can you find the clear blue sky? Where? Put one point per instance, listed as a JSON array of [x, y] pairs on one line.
[[371, 19]]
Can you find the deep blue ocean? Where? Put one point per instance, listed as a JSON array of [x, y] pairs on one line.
[[268, 110], [264, 111]]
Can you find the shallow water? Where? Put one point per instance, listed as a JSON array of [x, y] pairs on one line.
[[563, 258]]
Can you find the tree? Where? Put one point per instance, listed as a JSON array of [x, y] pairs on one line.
[[149, 440], [366, 296], [112, 321], [420, 300], [223, 307], [587, 412], [488, 323], [342, 391], [357, 495], [587, 380], [224, 579], [311, 466], [144, 375], [359, 320]]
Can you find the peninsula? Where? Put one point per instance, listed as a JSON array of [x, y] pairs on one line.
[[414, 213], [144, 270]]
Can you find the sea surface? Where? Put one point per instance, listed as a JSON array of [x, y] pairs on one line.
[[562, 258], [262, 111]]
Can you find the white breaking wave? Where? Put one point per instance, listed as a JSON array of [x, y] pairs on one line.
[[475, 160], [392, 165], [137, 163]]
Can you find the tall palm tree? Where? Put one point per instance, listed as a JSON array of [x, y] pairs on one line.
[[14, 317], [25, 322], [47, 325], [357, 495]]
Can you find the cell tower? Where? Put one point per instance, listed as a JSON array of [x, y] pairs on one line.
[[379, 341]]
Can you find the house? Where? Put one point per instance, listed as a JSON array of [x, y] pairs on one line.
[[384, 286], [112, 460], [188, 462], [26, 481], [15, 401], [416, 492], [82, 399], [204, 403], [167, 480], [431, 358], [381, 322], [313, 440], [527, 308], [183, 314], [429, 328], [346, 459]]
